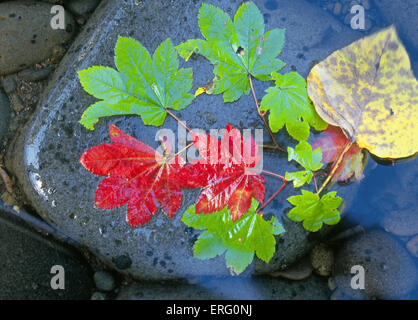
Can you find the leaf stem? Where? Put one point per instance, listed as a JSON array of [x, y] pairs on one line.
[[263, 115], [182, 150], [314, 179], [274, 174], [178, 120], [334, 169], [272, 197]]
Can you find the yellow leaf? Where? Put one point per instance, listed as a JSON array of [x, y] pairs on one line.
[[368, 89], [205, 89]]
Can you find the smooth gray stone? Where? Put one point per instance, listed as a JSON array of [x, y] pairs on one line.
[[46, 155], [26, 35], [27, 258], [104, 281]]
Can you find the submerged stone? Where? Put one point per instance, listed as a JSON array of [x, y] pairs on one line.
[[46, 154], [389, 271]]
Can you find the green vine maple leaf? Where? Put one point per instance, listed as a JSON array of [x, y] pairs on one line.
[[315, 211], [289, 105], [236, 48], [239, 240], [310, 160], [142, 85]]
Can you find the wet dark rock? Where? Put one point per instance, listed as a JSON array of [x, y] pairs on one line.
[[298, 271], [122, 262], [9, 84], [46, 155], [27, 36], [404, 15], [34, 75], [255, 288], [5, 113], [104, 281], [389, 270], [81, 7], [401, 223], [27, 258]]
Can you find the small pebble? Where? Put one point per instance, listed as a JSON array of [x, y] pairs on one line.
[[322, 259], [34, 75], [104, 281], [412, 246], [9, 84], [16, 102], [98, 296]]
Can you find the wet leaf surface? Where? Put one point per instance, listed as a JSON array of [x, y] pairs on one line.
[[235, 48], [332, 142], [135, 174], [143, 85], [226, 172], [249, 235], [315, 211], [369, 90]]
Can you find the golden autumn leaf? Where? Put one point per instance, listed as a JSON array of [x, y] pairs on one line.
[[369, 90]]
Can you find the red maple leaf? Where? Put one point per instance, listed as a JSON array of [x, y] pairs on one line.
[[137, 175], [332, 143], [225, 173]]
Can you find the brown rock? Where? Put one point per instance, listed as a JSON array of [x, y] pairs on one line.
[[322, 259]]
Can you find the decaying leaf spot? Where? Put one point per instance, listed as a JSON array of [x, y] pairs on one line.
[[369, 90]]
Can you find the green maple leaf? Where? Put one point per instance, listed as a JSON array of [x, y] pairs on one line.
[[310, 160], [315, 211], [289, 105], [235, 48], [142, 85], [239, 240]]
